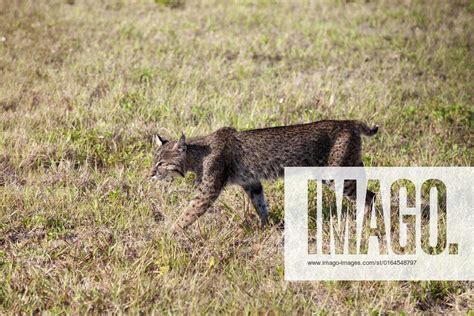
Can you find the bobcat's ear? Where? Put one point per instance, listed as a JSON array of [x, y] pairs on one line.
[[181, 143], [158, 141]]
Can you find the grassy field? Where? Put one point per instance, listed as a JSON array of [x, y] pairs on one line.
[[84, 85]]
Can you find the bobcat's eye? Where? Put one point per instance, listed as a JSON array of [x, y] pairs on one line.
[[160, 163]]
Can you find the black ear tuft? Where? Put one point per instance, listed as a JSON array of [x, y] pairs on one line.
[[181, 144]]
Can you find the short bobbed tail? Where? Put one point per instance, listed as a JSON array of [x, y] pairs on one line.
[[366, 130]]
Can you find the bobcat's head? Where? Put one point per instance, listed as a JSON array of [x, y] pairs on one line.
[[169, 158]]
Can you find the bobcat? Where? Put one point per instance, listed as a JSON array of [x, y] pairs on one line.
[[228, 156]]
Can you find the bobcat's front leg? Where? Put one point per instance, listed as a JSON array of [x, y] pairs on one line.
[[208, 191]]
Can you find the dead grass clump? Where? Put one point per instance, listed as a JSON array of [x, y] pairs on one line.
[[46, 156], [8, 105], [9, 172]]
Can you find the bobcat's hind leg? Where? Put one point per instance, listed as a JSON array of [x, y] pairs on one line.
[[350, 192], [255, 193]]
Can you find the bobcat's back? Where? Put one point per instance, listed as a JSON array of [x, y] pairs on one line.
[[263, 153]]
